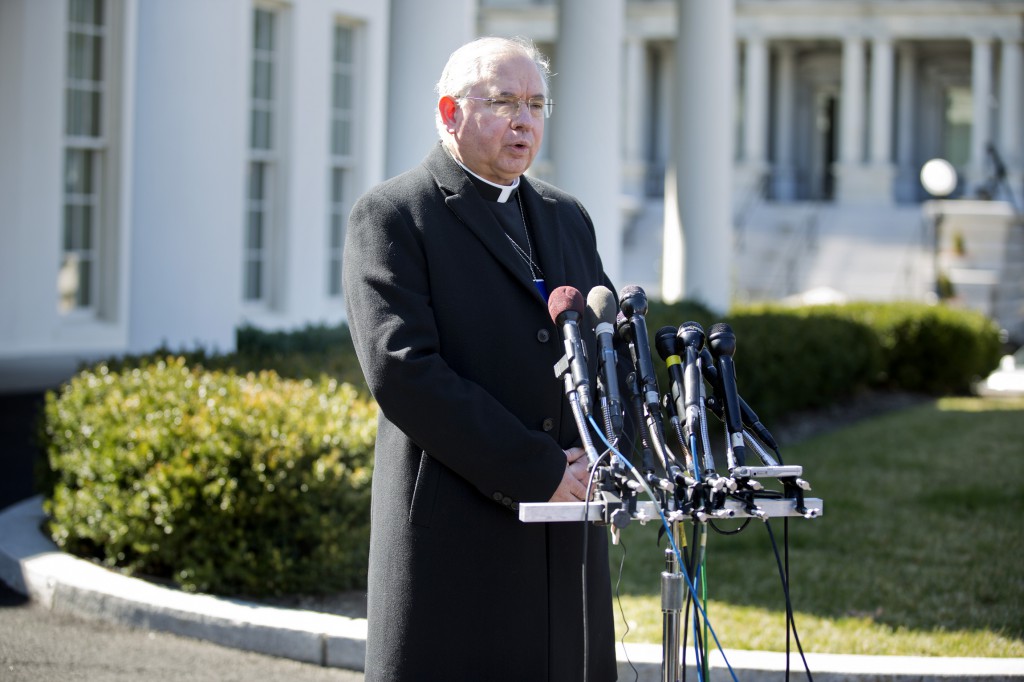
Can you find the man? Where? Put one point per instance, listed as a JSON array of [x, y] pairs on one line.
[[447, 269]]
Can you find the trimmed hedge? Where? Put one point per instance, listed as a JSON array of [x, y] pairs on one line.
[[790, 359], [221, 483], [793, 359], [304, 353], [934, 349]]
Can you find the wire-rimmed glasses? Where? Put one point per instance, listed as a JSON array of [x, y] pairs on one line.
[[508, 107]]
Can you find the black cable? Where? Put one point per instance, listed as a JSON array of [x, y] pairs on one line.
[[789, 617], [734, 531], [622, 611], [791, 622], [583, 567]]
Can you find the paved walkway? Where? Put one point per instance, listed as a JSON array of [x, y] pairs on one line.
[[33, 566]]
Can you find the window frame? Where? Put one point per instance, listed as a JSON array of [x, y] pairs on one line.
[[343, 165]]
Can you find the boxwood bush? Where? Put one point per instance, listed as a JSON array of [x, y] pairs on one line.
[[304, 353], [790, 359], [218, 482], [795, 359], [934, 349]]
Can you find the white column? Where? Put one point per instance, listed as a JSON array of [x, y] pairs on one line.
[[755, 114], [851, 124], [856, 181], [635, 104], [784, 175], [705, 62], [753, 165], [881, 101], [981, 94], [882, 169], [907, 179], [589, 49], [436, 29], [1010, 116]]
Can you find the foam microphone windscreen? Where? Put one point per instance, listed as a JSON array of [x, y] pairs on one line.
[[601, 306], [564, 299]]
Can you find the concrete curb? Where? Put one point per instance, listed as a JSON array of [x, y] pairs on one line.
[[31, 564]]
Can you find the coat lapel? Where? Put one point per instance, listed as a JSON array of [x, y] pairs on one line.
[[471, 210], [542, 215]]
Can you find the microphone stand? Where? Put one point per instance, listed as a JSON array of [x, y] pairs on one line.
[[581, 424], [678, 496]]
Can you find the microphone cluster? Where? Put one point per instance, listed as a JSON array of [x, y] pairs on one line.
[[625, 404]]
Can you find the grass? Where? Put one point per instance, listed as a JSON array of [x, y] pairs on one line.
[[919, 551]]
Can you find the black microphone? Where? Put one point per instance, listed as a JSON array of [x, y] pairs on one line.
[[601, 313], [750, 418], [667, 345], [633, 303], [691, 334], [722, 342], [565, 305]]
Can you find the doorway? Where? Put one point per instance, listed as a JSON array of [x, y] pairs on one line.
[[824, 146]]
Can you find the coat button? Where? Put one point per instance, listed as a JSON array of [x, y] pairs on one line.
[[497, 497], [548, 424], [507, 501], [543, 336]]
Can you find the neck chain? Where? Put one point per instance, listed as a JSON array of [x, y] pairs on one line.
[[535, 271]]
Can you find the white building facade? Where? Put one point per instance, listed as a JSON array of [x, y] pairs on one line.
[[170, 171], [173, 170]]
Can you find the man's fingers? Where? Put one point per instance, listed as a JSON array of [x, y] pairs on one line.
[[574, 454]]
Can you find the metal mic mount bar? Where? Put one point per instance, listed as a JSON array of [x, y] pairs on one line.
[[778, 471], [554, 512]]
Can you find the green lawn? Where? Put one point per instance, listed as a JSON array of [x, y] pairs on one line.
[[920, 550]]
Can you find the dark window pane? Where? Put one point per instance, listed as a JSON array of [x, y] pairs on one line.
[[254, 236], [84, 298]]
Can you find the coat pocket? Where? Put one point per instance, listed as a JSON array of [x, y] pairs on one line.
[[424, 494]]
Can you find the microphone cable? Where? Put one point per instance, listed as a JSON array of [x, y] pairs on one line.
[[784, 575], [583, 564], [675, 548]]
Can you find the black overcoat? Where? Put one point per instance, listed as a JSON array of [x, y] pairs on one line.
[[458, 349]]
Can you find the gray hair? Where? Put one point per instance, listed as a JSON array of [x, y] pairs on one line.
[[470, 64]]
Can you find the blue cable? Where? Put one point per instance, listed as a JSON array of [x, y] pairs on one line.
[[675, 549]]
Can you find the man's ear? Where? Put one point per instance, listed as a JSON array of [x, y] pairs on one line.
[[447, 107]]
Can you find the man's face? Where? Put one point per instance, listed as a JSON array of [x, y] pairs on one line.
[[496, 148]]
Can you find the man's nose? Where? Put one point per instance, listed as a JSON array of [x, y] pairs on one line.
[[522, 118]]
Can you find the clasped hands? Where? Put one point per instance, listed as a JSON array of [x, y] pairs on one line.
[[573, 487]]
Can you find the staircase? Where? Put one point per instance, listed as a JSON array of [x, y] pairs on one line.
[[813, 252], [808, 252], [981, 251]]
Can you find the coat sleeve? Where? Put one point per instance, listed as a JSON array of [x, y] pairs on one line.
[[394, 330]]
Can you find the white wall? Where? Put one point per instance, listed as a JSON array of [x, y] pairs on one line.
[[423, 36], [179, 149], [189, 153], [302, 296], [32, 54]]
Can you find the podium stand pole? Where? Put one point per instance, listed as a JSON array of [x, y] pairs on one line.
[[672, 598]]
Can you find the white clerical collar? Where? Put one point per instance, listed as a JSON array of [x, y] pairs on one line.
[[505, 191]]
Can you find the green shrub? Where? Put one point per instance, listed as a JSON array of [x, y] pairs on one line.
[[305, 353], [790, 359], [224, 483], [934, 349], [660, 314], [793, 359]]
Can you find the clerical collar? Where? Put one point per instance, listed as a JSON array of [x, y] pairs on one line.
[[490, 190]]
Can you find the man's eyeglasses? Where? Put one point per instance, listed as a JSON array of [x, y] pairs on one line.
[[508, 107]]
